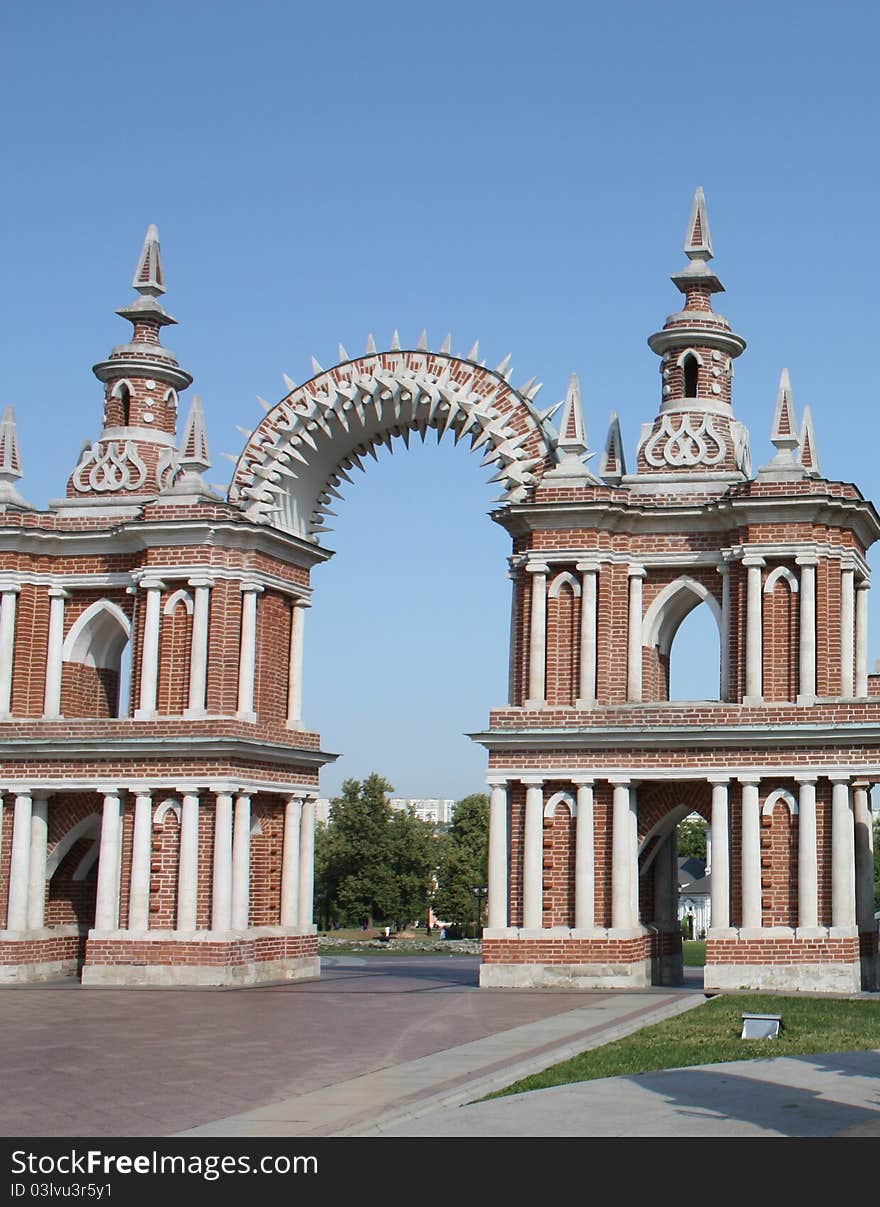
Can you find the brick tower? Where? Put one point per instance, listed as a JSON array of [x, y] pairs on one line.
[[157, 812], [592, 766]]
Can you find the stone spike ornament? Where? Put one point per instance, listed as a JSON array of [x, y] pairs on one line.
[[808, 453], [784, 435], [422, 345], [185, 475], [474, 352], [612, 467], [10, 463], [149, 278], [347, 413], [395, 341], [446, 346], [343, 355], [316, 366], [571, 445], [371, 345], [289, 382], [505, 364], [267, 406]]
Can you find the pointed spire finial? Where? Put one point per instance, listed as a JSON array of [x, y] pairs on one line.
[[612, 467], [784, 435], [149, 279], [808, 454], [10, 462], [571, 445], [698, 237], [193, 458]]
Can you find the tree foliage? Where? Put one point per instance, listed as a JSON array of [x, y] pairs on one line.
[[692, 839], [373, 864], [464, 864]]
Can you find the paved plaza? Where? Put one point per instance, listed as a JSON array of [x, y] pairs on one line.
[[386, 1046]]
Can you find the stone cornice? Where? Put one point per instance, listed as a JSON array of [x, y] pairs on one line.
[[105, 747], [633, 736]]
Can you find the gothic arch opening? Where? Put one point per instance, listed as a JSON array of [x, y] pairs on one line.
[[685, 617], [94, 663]]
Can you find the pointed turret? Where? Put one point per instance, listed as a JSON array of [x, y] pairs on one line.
[[808, 453], [142, 380], [784, 435], [696, 433], [571, 445], [612, 467], [10, 464]]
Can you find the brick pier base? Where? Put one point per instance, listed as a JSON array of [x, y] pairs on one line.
[[201, 958], [778, 959], [567, 959], [39, 955]]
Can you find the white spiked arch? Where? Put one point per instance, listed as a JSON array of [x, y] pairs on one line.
[[295, 460]]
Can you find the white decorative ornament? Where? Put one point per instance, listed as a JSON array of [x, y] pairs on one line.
[[716, 355], [716, 389], [148, 416], [167, 468], [688, 444], [151, 385], [104, 468]]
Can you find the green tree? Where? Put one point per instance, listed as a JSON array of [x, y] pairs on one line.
[[877, 863], [692, 839], [373, 864], [464, 861]]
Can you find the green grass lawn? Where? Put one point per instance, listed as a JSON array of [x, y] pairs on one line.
[[694, 953], [710, 1033]]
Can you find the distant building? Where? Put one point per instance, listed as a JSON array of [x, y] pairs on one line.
[[438, 812]]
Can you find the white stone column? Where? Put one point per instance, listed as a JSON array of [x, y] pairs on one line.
[[513, 636], [862, 637], [622, 855], [198, 660], [754, 632], [52, 694], [307, 864], [36, 910], [498, 840], [8, 594], [241, 863], [188, 867], [538, 636], [807, 641], [720, 830], [221, 890], [724, 571], [584, 857], [634, 635], [864, 856], [751, 854], [20, 863], [150, 650], [635, 882], [808, 859], [847, 629], [109, 864], [247, 662], [290, 862], [589, 632], [295, 664], [843, 893], [533, 855], [141, 855]]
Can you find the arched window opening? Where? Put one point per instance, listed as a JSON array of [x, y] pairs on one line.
[[691, 372], [694, 658], [92, 680], [124, 406]]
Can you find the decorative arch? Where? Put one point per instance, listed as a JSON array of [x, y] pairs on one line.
[[781, 794], [89, 827], [658, 833], [256, 830], [174, 601], [691, 353], [560, 798], [781, 572], [671, 606], [169, 805], [98, 636], [88, 861], [295, 461], [566, 578]]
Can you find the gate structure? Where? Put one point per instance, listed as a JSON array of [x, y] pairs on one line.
[[157, 814]]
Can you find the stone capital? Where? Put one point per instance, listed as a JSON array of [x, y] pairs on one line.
[[588, 567], [58, 593], [532, 781], [753, 559], [537, 568], [201, 581], [806, 559], [583, 781], [249, 586], [753, 781], [718, 779], [497, 781], [636, 571]]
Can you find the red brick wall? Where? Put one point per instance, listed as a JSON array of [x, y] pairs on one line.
[[563, 646], [558, 864], [172, 695], [779, 865], [781, 636], [273, 657], [163, 869]]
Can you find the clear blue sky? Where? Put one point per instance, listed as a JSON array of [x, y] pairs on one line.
[[521, 174]]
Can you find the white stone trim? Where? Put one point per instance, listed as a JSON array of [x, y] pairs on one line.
[[565, 577], [775, 575], [170, 805], [661, 613], [181, 596], [65, 844], [781, 794], [560, 798]]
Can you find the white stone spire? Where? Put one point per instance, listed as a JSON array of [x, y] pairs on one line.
[[10, 462], [612, 467], [571, 445], [698, 237], [149, 279], [193, 458], [784, 434], [808, 453]]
